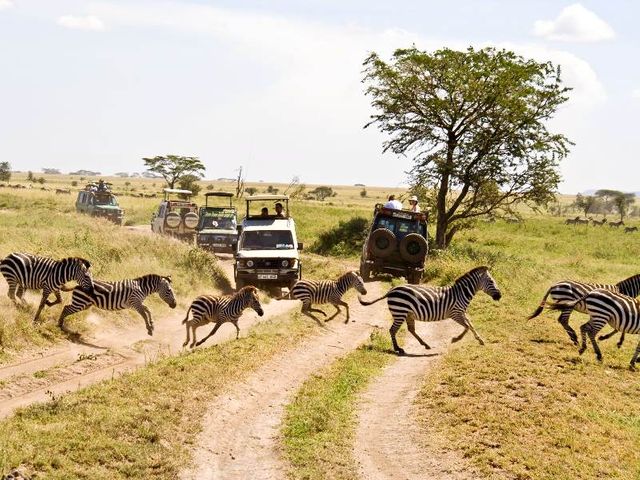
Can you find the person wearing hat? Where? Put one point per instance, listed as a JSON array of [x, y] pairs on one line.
[[413, 202]]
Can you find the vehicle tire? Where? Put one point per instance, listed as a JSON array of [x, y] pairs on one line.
[[365, 271], [413, 248], [172, 220], [382, 242], [191, 220]]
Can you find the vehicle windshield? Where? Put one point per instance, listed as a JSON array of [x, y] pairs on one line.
[[267, 240], [401, 227], [106, 200], [224, 220]]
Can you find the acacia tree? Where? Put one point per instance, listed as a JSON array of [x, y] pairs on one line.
[[474, 122], [5, 171], [585, 203], [623, 201], [173, 167]]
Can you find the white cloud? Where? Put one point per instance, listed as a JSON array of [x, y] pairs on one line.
[[88, 22], [5, 4], [636, 93], [574, 24]]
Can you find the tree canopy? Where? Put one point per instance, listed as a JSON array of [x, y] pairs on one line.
[[474, 123], [173, 167], [5, 171]]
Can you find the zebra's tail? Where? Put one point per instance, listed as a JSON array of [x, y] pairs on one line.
[[566, 305], [541, 306], [186, 317], [363, 302]]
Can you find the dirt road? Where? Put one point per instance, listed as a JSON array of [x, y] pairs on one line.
[[388, 442], [240, 432]]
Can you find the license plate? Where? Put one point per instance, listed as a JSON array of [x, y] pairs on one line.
[[219, 245], [265, 276]]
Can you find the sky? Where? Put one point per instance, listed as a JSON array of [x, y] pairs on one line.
[[275, 86]]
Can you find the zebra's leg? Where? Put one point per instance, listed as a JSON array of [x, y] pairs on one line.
[[621, 341], [146, 315], [57, 300], [187, 326], [45, 294], [215, 329], [235, 324], [634, 359], [306, 309], [74, 307], [564, 321], [12, 292], [411, 326], [608, 335], [591, 328], [397, 323], [463, 320], [194, 326], [338, 312]]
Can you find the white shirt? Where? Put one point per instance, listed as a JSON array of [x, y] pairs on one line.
[[415, 208], [397, 204]]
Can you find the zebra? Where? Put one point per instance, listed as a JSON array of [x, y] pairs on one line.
[[327, 291], [221, 309], [130, 293], [598, 223], [630, 229], [428, 304], [24, 271], [616, 224], [570, 291], [620, 311]]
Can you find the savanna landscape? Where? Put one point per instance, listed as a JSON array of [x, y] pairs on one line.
[[120, 404]]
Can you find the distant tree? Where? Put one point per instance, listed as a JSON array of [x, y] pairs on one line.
[[623, 201], [251, 190], [607, 196], [74, 183], [475, 122], [240, 183], [30, 177], [5, 171], [41, 180], [585, 203], [51, 171], [190, 182], [363, 193], [320, 193], [273, 190], [173, 167], [210, 186]]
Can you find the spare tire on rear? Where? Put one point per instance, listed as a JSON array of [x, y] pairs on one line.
[[191, 220], [173, 219], [413, 248], [382, 242]]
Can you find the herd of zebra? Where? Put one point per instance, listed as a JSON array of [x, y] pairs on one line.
[[599, 223], [614, 304]]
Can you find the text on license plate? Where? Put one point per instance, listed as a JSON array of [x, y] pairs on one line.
[[220, 245], [265, 276]]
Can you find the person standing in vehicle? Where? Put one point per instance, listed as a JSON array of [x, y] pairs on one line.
[[393, 203], [279, 213], [413, 202]]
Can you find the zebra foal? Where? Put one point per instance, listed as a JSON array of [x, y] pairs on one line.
[[327, 291], [24, 271], [605, 306], [429, 304], [228, 308], [119, 295], [568, 291]]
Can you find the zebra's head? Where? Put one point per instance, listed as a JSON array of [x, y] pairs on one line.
[[357, 282], [79, 269], [165, 290], [487, 284], [249, 296]]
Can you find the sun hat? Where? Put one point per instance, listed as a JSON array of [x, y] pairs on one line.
[[413, 198]]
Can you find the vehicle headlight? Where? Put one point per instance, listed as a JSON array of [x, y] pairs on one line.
[[285, 263], [250, 263]]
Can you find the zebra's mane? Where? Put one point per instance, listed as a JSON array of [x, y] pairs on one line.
[[152, 277], [481, 269], [244, 291], [81, 260]]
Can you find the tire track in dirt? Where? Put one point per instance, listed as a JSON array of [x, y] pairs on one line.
[[389, 443], [240, 433]]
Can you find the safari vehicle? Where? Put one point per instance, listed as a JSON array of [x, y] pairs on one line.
[[176, 217], [97, 200], [396, 244], [267, 250], [217, 228]]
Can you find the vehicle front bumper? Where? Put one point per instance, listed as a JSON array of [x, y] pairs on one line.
[[275, 277]]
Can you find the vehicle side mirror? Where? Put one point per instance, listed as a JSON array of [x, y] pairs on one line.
[[300, 246]]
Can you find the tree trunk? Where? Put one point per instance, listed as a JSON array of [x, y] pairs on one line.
[[441, 205]]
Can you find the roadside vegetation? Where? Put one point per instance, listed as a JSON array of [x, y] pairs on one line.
[[141, 425], [319, 426]]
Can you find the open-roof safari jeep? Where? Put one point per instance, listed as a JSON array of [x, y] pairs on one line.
[[176, 217], [217, 228], [97, 200], [396, 244], [267, 250]]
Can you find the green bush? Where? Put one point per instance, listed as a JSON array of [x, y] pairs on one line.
[[345, 240]]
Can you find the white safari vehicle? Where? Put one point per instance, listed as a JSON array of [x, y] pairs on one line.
[[267, 251], [176, 217]]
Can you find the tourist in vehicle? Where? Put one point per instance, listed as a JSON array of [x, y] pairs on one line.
[[264, 212], [393, 203], [279, 213], [413, 202]]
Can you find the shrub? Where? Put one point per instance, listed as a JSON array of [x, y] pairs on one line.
[[345, 240]]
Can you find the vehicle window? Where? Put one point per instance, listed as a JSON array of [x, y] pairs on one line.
[[267, 240]]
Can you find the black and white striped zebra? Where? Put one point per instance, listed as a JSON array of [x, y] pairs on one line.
[[428, 304], [605, 306], [327, 291], [569, 291], [220, 309], [24, 271], [122, 294]]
